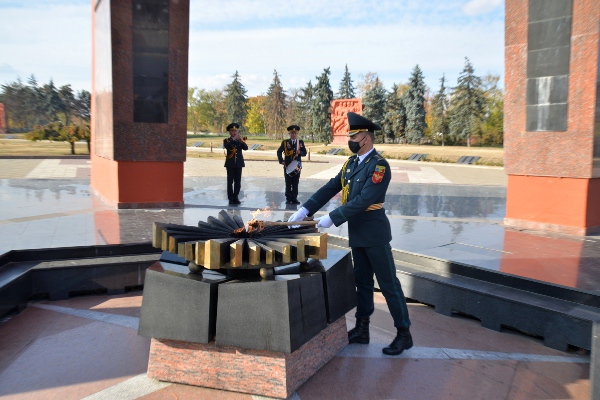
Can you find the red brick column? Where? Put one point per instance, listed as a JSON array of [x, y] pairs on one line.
[[139, 102], [553, 174]]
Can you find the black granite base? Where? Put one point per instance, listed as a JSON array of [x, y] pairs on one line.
[[178, 304]]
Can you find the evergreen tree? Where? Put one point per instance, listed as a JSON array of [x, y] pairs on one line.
[[394, 122], [83, 105], [466, 105], [346, 90], [35, 102], [321, 107], [236, 101], [374, 105], [414, 101], [276, 106], [53, 103], [305, 103], [67, 97], [439, 111]]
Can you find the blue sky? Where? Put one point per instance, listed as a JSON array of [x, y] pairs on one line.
[[52, 40]]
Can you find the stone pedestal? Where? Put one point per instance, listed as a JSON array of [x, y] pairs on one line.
[[139, 101], [259, 372], [552, 115]]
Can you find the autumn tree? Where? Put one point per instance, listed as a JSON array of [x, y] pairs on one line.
[[366, 82], [493, 122], [256, 119], [346, 90]]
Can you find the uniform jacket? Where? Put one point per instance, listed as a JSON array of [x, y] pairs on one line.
[[285, 152], [234, 157], [368, 182]]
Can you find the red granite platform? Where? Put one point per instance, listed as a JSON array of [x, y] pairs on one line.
[[260, 372]]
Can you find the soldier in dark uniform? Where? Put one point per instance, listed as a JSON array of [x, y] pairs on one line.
[[363, 181], [234, 162], [292, 149]]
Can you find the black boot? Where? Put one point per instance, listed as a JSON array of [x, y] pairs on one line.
[[360, 333], [402, 341]]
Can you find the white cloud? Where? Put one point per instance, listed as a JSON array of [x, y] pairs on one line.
[[477, 7], [52, 40]]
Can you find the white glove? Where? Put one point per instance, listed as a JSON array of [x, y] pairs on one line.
[[298, 216], [324, 222]]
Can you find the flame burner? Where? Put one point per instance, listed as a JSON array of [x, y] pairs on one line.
[[226, 243]]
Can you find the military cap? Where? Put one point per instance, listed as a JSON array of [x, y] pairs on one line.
[[233, 125], [293, 128], [358, 123]]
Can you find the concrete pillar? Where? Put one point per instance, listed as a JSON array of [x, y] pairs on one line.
[[552, 115], [139, 101]]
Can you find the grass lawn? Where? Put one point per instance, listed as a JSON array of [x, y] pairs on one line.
[[493, 156], [17, 146]]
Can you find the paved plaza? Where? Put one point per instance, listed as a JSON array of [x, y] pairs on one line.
[[88, 347]]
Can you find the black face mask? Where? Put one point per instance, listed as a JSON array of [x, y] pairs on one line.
[[354, 146]]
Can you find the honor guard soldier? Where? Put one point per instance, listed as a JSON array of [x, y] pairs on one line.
[[234, 162], [363, 181], [290, 155]]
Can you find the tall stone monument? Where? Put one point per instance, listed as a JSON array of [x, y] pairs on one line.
[[552, 115], [139, 101], [339, 124]]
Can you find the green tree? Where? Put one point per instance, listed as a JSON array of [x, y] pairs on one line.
[[466, 105], [394, 122], [276, 106], [235, 101], [414, 102], [346, 90], [321, 107], [374, 105], [439, 113]]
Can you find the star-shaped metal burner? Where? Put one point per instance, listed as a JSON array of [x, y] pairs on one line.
[[226, 242]]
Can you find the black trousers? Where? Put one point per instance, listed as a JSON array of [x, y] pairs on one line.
[[234, 183], [291, 186], [378, 260]]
